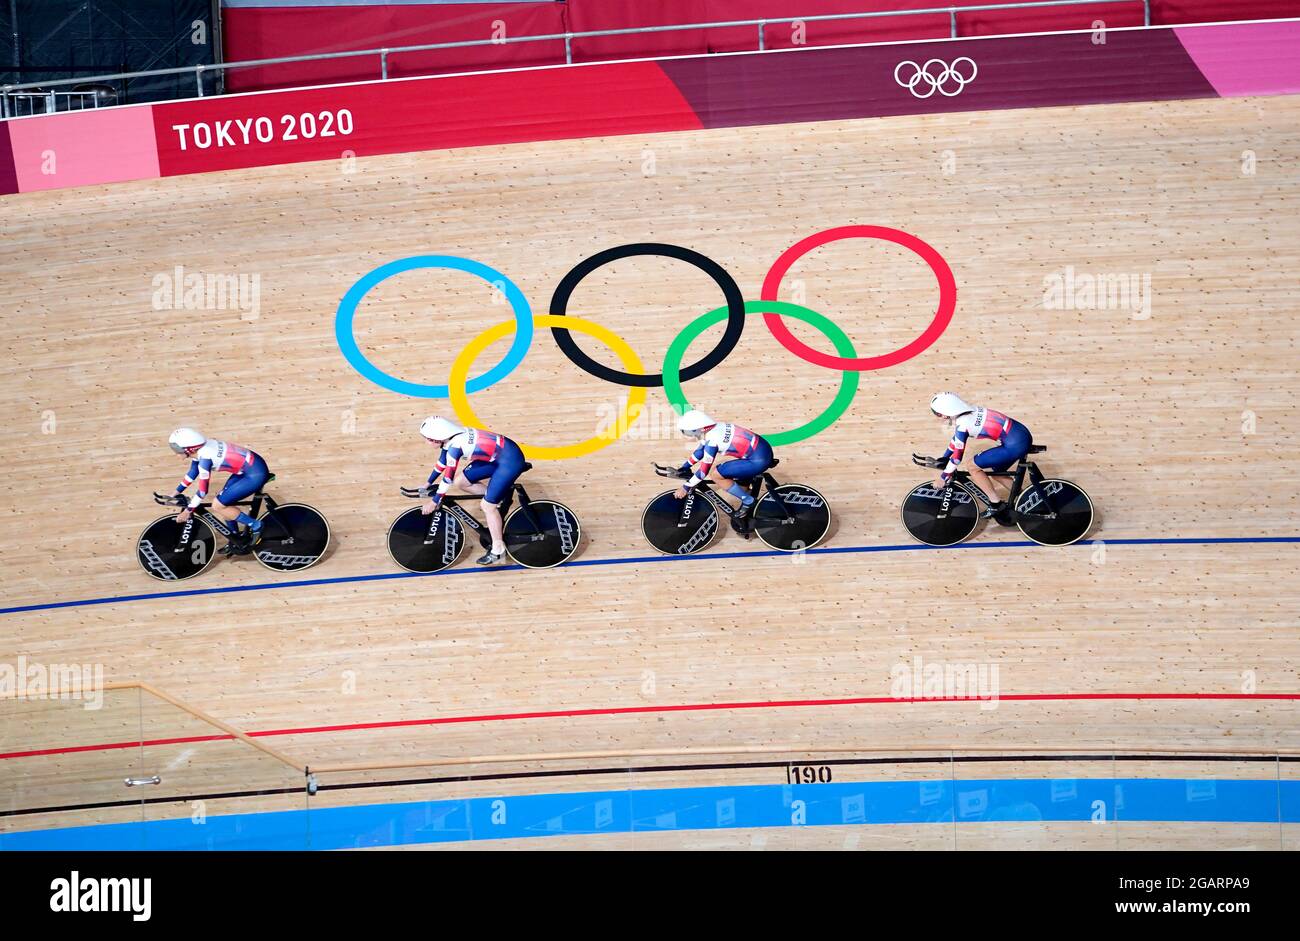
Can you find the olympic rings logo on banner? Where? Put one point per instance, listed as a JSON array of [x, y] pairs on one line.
[[921, 76], [633, 375]]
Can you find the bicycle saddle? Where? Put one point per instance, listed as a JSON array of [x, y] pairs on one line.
[[1037, 448]]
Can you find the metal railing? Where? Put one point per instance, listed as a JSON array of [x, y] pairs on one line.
[[43, 89], [22, 103]]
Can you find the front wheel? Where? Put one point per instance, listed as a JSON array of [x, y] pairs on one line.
[[940, 517], [792, 517], [172, 552], [294, 537], [423, 544], [680, 527], [1061, 520], [542, 534]]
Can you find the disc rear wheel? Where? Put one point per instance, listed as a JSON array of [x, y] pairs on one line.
[[294, 537], [1061, 520], [791, 518], [542, 535]]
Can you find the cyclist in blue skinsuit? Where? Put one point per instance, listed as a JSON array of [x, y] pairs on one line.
[[744, 456], [977, 421], [493, 464], [248, 474]]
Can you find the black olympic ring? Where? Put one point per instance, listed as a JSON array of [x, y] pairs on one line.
[[735, 312]]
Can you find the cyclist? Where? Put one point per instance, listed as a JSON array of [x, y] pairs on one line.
[[1013, 440], [248, 474], [493, 464], [744, 456]]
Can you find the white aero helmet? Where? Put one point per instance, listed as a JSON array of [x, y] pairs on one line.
[[949, 405], [183, 440], [437, 428], [694, 422]]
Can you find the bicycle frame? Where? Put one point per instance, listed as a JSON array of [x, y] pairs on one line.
[[451, 503], [204, 510], [755, 488], [1023, 469], [467, 519]]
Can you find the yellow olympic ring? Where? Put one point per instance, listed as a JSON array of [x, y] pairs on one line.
[[630, 412]]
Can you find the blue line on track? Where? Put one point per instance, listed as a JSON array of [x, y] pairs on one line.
[[842, 803], [830, 550]]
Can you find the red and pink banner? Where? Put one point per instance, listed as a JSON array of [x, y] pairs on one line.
[[417, 114], [555, 103], [261, 29]]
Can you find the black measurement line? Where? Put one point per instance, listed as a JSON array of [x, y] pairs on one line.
[[642, 769]]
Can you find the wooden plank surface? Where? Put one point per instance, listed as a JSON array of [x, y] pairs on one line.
[[1178, 423]]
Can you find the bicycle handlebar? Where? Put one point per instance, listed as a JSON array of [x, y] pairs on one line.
[[923, 461], [421, 493], [677, 472]]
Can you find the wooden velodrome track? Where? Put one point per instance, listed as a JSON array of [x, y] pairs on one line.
[[1180, 425]]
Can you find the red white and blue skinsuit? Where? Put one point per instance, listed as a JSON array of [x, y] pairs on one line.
[[248, 472], [487, 455], [745, 454], [1013, 440]]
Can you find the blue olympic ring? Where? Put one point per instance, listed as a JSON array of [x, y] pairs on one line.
[[344, 333]]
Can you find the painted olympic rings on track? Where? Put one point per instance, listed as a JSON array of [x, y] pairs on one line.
[[344, 331], [735, 311], [942, 315], [629, 413], [843, 398], [633, 375]]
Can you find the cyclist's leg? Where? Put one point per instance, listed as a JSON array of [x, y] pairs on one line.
[[730, 478], [509, 465], [473, 477], [979, 474], [1014, 446], [228, 513], [739, 473], [476, 478], [241, 486]]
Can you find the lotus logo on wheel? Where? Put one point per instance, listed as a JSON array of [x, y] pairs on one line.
[[936, 75]]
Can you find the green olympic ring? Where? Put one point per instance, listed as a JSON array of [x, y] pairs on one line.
[[843, 345]]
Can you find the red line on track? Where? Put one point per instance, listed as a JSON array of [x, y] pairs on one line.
[[629, 710]]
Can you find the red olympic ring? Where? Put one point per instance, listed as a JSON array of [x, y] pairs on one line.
[[942, 316]]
